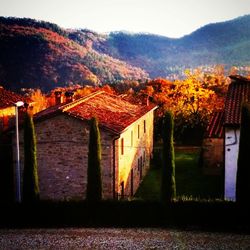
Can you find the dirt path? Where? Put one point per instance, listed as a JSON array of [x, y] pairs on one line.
[[108, 238]]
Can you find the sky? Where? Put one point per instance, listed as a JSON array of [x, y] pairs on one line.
[[171, 18]]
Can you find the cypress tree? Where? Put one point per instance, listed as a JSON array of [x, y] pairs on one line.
[[243, 170], [94, 184], [30, 175], [168, 188]]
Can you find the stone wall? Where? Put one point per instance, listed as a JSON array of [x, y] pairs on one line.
[[62, 151], [213, 156]]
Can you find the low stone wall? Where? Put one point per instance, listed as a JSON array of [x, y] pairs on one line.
[[212, 156]]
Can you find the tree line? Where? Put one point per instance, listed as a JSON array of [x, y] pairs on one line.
[[192, 100]]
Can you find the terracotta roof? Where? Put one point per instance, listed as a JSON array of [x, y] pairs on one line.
[[112, 112], [8, 98], [215, 126], [238, 93]]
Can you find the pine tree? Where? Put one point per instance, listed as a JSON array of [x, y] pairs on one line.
[[94, 184], [243, 170], [168, 189], [30, 174]]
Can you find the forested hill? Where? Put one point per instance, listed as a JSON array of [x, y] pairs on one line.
[[40, 54], [225, 43]]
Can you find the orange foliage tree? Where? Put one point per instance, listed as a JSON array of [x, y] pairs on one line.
[[191, 100], [39, 99]]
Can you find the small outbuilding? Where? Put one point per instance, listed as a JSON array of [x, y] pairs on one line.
[[221, 143]]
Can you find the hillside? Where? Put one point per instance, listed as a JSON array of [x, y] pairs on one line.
[[41, 54], [225, 43]]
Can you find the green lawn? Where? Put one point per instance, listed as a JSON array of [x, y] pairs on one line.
[[190, 181]]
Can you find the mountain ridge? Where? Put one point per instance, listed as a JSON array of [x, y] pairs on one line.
[[40, 54], [208, 45], [45, 55]]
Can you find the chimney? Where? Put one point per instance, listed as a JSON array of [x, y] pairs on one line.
[[69, 96], [58, 97], [147, 101]]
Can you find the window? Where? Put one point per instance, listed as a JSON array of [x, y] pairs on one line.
[[122, 190], [132, 135], [132, 183], [144, 158], [122, 146], [138, 131], [141, 168], [144, 126]]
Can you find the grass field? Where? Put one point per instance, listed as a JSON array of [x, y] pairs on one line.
[[190, 181]]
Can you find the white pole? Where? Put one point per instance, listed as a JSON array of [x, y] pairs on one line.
[[18, 174]]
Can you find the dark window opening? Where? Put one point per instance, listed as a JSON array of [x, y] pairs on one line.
[[122, 190], [122, 146], [141, 168], [144, 158], [132, 182]]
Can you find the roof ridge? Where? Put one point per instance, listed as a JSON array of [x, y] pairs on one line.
[[240, 78], [70, 105]]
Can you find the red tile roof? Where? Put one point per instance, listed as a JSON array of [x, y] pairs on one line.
[[238, 93], [8, 98], [112, 112], [215, 126]]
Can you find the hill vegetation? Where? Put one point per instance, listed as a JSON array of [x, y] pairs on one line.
[[40, 54], [226, 43], [43, 55]]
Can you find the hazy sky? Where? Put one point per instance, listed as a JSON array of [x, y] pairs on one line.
[[172, 18]]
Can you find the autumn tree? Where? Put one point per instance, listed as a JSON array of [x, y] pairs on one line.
[[30, 173], [191, 100], [39, 99], [94, 176]]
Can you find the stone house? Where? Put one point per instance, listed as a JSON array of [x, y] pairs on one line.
[[62, 146], [238, 93]]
